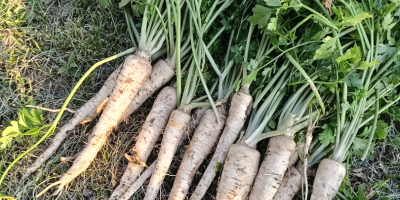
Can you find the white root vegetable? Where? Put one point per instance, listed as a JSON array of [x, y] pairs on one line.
[[161, 74], [295, 155], [292, 181], [203, 141], [238, 172], [148, 135], [134, 73], [177, 124], [86, 113], [273, 167], [238, 111], [328, 178], [139, 182], [291, 184]]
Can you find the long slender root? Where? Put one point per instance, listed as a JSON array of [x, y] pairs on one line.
[[307, 144], [238, 111], [60, 189], [160, 75], [148, 135], [177, 124], [291, 182], [273, 167], [290, 185], [203, 141], [134, 72], [88, 111]]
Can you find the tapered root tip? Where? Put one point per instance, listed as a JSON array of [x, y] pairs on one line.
[[28, 172], [60, 188]]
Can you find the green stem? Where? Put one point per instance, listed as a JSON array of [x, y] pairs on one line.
[[371, 136], [259, 97], [290, 131], [130, 28], [313, 88], [211, 59], [285, 51], [246, 51], [339, 120], [193, 105], [323, 19], [364, 122], [344, 100], [178, 57], [251, 136]]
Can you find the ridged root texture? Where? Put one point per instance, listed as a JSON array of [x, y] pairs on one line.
[[134, 72], [291, 184], [203, 141], [273, 168], [238, 173], [161, 74], [238, 111], [177, 124], [148, 135], [330, 175]]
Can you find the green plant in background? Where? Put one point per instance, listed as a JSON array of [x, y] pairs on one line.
[[29, 122], [70, 67], [6, 197]]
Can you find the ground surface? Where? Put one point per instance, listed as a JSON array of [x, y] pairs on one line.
[[48, 45]]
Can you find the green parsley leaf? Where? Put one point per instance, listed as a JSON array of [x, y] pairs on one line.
[[272, 24], [328, 135], [359, 145], [273, 3], [260, 16], [325, 51], [381, 127], [365, 65], [352, 21]]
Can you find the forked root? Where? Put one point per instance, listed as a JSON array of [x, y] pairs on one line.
[[57, 192]]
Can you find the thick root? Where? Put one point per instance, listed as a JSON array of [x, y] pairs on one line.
[[160, 75], [273, 167], [148, 135], [295, 155], [330, 175], [177, 125], [238, 173], [238, 111], [291, 184], [84, 114], [203, 141]]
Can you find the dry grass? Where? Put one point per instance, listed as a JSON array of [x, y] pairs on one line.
[[380, 176]]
